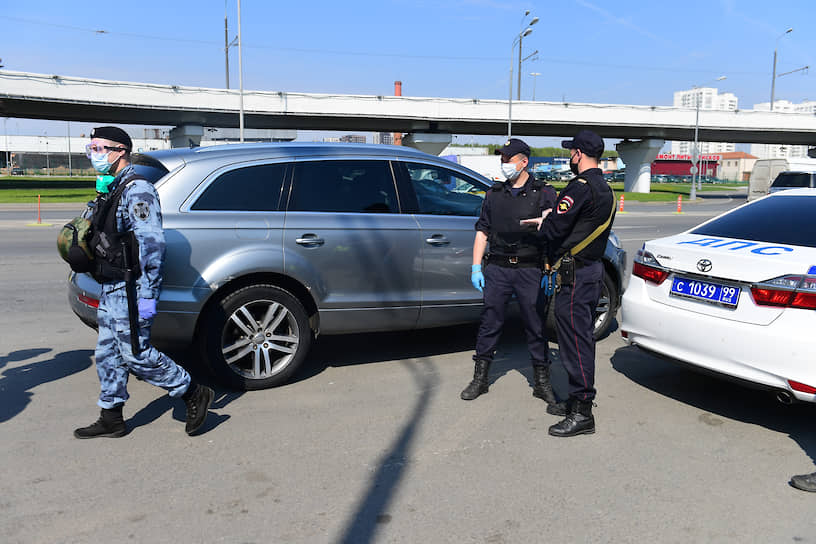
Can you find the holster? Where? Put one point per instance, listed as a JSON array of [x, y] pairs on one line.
[[566, 272]]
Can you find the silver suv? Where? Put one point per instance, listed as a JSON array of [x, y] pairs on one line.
[[270, 244]]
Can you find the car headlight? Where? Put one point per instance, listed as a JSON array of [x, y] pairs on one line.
[[614, 239]]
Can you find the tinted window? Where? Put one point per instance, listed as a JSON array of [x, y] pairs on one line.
[[784, 220], [343, 186], [791, 179], [442, 192], [251, 189], [148, 167]]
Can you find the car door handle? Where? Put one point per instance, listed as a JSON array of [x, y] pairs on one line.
[[437, 240], [310, 240]]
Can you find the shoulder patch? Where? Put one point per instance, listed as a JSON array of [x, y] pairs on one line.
[[141, 210], [565, 204]]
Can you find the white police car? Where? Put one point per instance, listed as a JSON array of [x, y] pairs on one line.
[[735, 295]]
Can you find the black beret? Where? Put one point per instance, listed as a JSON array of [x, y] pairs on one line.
[[114, 134]]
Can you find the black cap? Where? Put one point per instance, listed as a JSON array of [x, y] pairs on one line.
[[114, 134], [513, 146], [588, 142]]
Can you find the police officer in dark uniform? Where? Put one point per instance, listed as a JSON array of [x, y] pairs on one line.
[[584, 205], [513, 265]]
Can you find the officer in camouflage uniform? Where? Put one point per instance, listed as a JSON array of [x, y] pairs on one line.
[[137, 211]]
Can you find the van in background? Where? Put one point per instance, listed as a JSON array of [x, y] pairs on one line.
[[766, 170]]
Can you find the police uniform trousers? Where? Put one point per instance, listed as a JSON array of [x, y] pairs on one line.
[[501, 283], [575, 323], [115, 359]]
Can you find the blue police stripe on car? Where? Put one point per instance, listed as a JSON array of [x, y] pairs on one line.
[[737, 245]]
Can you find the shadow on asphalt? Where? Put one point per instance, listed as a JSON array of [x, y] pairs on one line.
[[353, 349], [16, 383], [718, 396]]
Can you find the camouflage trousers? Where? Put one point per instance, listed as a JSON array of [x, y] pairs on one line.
[[115, 358]]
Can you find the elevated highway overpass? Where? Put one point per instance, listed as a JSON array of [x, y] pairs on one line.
[[430, 120]]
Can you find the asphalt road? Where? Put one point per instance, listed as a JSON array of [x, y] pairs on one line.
[[371, 443]]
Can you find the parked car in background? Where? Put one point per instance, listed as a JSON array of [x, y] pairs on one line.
[[765, 171], [735, 296], [793, 180], [269, 245]]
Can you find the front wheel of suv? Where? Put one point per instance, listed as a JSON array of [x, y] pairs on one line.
[[256, 337]]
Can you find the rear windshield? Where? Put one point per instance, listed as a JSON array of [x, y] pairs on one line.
[[787, 220], [792, 179], [148, 167]]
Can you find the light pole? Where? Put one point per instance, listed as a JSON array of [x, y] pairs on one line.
[[69, 150], [240, 79], [516, 38], [227, 44], [47, 159], [695, 152], [535, 75], [8, 155], [773, 77], [521, 36]]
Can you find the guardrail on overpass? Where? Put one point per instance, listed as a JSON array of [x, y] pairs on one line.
[[43, 96]]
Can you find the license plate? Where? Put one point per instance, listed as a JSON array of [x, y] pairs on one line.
[[706, 291]]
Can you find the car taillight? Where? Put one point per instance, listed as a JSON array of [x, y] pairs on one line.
[[804, 388], [791, 291], [646, 266], [88, 301]]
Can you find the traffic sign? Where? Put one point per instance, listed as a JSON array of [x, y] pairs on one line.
[[693, 170]]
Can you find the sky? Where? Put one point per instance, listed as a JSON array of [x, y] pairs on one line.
[[622, 52]]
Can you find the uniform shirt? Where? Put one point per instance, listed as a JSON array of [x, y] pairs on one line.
[[139, 211], [502, 211], [580, 209]]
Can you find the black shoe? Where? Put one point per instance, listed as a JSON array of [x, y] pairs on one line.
[[557, 409], [198, 402], [805, 482], [542, 387], [579, 420], [109, 425], [478, 386]]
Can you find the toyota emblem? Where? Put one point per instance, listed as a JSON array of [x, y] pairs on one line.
[[703, 265]]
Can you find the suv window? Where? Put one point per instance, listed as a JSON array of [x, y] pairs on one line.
[[251, 189], [443, 192], [148, 167], [792, 179], [343, 186], [777, 220]]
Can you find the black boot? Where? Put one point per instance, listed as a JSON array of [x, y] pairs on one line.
[[805, 482], [109, 425], [198, 399], [579, 419], [543, 389], [479, 384]]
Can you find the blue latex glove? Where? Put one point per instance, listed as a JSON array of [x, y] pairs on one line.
[[476, 277], [147, 308]]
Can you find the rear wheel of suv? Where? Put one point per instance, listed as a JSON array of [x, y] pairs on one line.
[[605, 310], [256, 337]]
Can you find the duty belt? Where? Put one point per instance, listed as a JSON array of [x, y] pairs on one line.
[[513, 260]]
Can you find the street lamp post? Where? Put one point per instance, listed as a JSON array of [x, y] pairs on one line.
[[535, 75], [240, 79], [773, 77], [521, 36], [70, 170], [695, 151], [8, 155], [47, 159], [517, 38]]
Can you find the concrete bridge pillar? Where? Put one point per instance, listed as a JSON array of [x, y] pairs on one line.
[[638, 157], [186, 136], [430, 143]]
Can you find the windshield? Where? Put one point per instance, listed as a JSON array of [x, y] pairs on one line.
[[787, 220]]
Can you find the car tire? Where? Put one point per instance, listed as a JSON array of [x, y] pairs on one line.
[[255, 337], [604, 312], [606, 309]]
